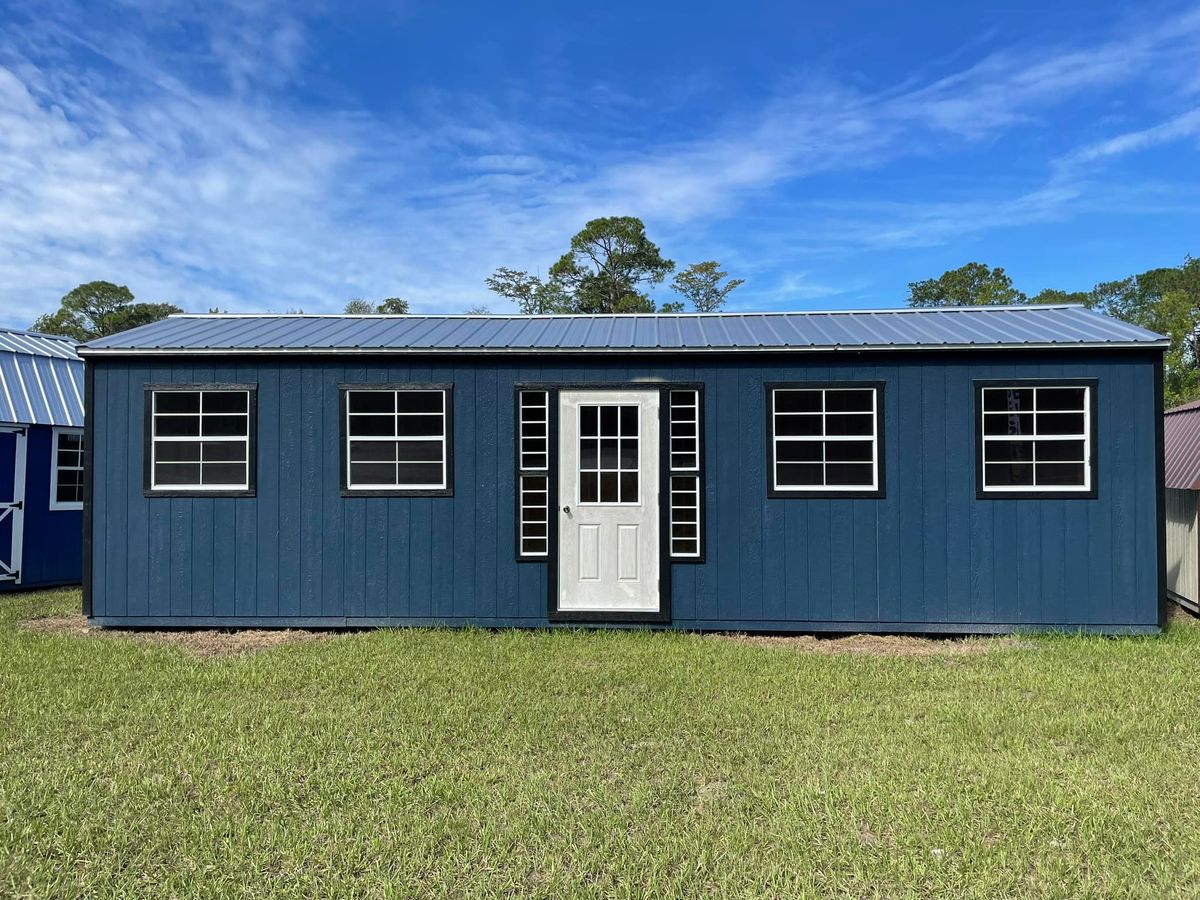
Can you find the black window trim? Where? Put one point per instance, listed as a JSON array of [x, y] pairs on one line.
[[447, 388], [1033, 493], [149, 390], [877, 493]]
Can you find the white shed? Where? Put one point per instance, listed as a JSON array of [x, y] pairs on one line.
[[1181, 444]]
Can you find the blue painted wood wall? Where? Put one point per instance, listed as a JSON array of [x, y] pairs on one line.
[[53, 539], [928, 556]]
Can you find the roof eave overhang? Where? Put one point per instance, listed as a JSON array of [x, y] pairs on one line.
[[615, 351]]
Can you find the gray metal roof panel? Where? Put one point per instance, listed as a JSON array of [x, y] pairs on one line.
[[41, 380], [973, 327]]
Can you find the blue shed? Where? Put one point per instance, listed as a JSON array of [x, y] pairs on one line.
[[966, 470], [41, 461]]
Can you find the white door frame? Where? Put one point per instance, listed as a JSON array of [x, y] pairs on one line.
[[631, 604], [13, 509]]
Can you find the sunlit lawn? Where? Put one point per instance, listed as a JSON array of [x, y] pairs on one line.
[[473, 763]]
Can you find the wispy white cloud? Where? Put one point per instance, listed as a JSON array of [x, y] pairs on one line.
[[191, 177]]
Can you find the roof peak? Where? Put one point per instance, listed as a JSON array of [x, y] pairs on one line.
[[888, 310]]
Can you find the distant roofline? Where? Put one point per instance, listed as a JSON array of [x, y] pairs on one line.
[[890, 310], [38, 334]]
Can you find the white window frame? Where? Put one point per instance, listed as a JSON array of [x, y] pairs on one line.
[[1035, 489], [875, 487], [598, 471], [443, 487], [246, 485], [55, 504], [685, 473], [527, 473]]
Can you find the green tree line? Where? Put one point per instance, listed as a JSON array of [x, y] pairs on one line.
[[1165, 300]]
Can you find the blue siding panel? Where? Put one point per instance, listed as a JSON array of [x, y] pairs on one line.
[[929, 555]]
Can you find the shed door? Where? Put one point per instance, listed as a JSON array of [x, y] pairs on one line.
[[12, 500], [608, 488]]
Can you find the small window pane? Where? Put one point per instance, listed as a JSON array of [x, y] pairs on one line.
[[1061, 474], [1069, 398], [177, 426], [177, 473], [608, 454], [629, 453], [419, 474], [806, 474], [373, 473], [850, 424], [1008, 451], [800, 451], [1012, 424], [419, 401], [608, 421], [1014, 400], [1061, 451], [848, 400], [589, 454], [629, 420], [1060, 423], [608, 488], [224, 426], [849, 451], [177, 401], [224, 473], [798, 401], [372, 401], [418, 426], [799, 426], [372, 451], [589, 421], [177, 451], [373, 425], [69, 440], [848, 474], [419, 451], [1005, 475], [224, 402], [224, 451], [589, 487]]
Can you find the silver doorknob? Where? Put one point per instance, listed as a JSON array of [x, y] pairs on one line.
[[567, 510]]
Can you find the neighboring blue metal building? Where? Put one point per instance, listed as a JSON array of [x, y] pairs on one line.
[[41, 461], [973, 470]]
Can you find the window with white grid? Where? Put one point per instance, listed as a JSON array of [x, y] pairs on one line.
[[533, 479], [1036, 439], [397, 439], [684, 467], [66, 473], [825, 439], [200, 439]]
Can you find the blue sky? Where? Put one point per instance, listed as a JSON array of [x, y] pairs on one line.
[[266, 156]]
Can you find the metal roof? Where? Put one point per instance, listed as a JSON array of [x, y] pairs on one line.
[[1181, 446], [880, 329], [41, 379]]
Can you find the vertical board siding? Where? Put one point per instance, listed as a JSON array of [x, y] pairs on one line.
[[927, 553]]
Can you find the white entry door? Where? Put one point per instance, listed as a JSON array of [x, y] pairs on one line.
[[12, 500], [608, 487]]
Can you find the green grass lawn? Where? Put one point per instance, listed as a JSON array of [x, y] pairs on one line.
[[473, 763]]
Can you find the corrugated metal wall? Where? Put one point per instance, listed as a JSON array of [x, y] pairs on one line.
[[1183, 545], [928, 555]]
